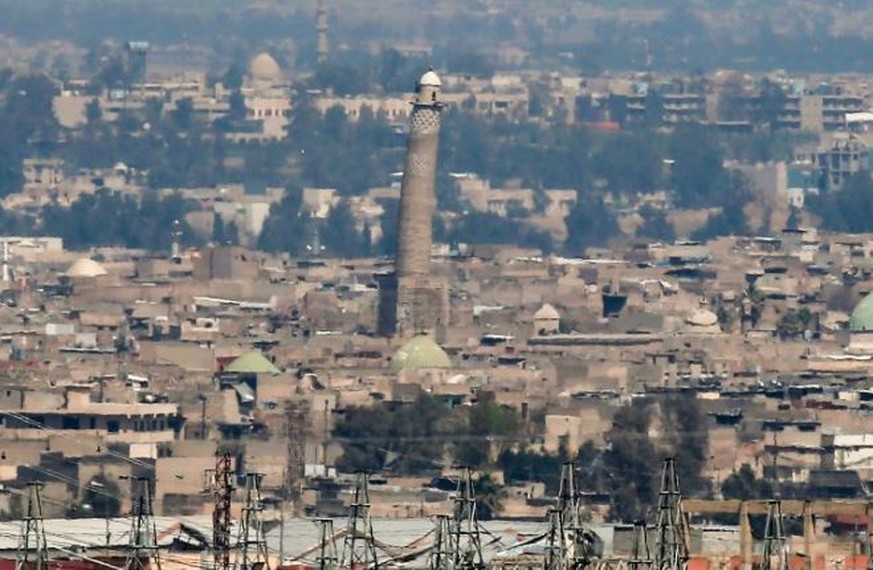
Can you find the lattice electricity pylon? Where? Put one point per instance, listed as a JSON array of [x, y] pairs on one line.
[[220, 484], [297, 419], [33, 532], [143, 547], [578, 539], [671, 548], [467, 542], [556, 549], [327, 555], [359, 547], [442, 554], [641, 555], [775, 544], [251, 542]]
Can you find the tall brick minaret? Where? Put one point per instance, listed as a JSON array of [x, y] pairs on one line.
[[417, 195], [419, 300]]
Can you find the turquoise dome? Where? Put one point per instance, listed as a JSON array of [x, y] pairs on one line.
[[420, 352], [862, 317]]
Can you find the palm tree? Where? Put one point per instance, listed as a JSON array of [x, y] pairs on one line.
[[489, 497]]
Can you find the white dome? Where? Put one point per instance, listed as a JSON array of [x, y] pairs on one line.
[[264, 68], [85, 267], [430, 79]]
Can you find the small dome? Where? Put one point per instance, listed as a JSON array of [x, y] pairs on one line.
[[702, 318], [420, 352], [431, 79], [86, 267], [547, 313], [264, 68], [862, 317]]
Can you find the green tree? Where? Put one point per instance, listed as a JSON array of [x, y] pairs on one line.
[[489, 497], [590, 223], [794, 323], [488, 423], [287, 226], [655, 225]]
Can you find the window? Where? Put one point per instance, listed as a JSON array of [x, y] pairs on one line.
[[112, 426]]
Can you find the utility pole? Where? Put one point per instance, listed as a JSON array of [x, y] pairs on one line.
[[143, 533], [774, 539], [359, 548], [443, 551], [671, 548], [467, 543], [33, 532], [252, 545], [327, 555]]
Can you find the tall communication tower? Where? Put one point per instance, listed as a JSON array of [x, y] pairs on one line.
[[297, 419], [327, 555], [221, 487], [251, 543], [774, 557], [321, 26], [33, 532], [359, 548], [442, 554], [467, 542], [671, 548], [143, 533]]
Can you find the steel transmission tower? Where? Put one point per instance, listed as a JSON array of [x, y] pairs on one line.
[[33, 532], [671, 548], [143, 533], [296, 418], [443, 551], [557, 545], [327, 555], [467, 542], [641, 555], [220, 484], [359, 548], [774, 539], [251, 543]]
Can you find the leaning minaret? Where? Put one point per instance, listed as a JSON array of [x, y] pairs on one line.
[[411, 300], [417, 196]]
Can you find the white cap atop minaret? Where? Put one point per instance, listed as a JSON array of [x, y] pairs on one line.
[[430, 79]]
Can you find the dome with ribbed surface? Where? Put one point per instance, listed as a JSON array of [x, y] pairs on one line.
[[420, 352], [862, 317]]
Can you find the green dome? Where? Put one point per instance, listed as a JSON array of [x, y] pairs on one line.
[[420, 352], [252, 363], [862, 316]]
